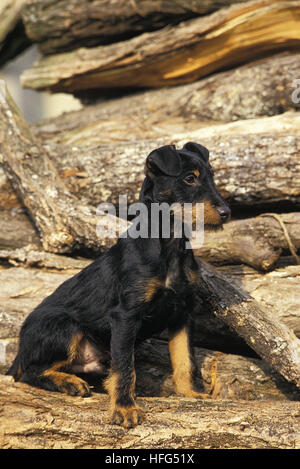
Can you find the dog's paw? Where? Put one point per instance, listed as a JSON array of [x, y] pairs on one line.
[[127, 417], [75, 386]]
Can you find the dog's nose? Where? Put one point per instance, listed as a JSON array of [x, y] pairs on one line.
[[224, 213]]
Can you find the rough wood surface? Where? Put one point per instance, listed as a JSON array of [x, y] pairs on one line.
[[33, 418], [16, 230], [271, 340], [67, 24], [221, 97], [174, 55], [256, 241], [12, 37], [62, 221], [256, 163]]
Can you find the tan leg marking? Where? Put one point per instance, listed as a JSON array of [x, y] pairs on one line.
[[66, 382], [182, 364], [127, 416]]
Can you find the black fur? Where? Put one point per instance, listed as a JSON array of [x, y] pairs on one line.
[[136, 289]]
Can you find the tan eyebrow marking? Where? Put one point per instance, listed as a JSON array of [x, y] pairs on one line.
[[196, 172]]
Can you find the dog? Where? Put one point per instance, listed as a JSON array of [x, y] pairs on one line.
[[93, 322]]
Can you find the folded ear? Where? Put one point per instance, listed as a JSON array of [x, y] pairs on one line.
[[200, 150], [164, 160]]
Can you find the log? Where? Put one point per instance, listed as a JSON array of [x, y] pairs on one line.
[[174, 55], [53, 208], [39, 185], [221, 97], [66, 25], [17, 231], [13, 39], [256, 241], [271, 340], [221, 375], [247, 157], [36, 419], [63, 223]]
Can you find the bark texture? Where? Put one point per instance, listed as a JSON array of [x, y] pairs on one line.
[[32, 418], [271, 340], [170, 56], [221, 97], [252, 167], [66, 24], [12, 35], [63, 223], [257, 241]]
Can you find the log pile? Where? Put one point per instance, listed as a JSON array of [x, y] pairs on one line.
[[223, 74]]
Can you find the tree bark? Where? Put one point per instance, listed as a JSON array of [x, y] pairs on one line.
[[12, 36], [271, 340], [221, 97], [257, 241], [67, 24], [171, 56], [34, 418], [17, 231], [63, 223], [254, 173]]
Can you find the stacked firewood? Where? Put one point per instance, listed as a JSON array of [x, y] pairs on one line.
[[225, 74]]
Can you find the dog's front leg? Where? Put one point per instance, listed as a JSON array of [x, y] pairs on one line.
[[182, 362], [120, 383]]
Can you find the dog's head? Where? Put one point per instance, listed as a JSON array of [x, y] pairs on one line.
[[184, 176]]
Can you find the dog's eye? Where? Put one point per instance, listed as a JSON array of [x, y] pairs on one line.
[[190, 179]]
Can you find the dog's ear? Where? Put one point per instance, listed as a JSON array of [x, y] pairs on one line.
[[164, 160], [200, 150]]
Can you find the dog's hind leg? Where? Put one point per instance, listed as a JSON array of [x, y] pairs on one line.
[[46, 353]]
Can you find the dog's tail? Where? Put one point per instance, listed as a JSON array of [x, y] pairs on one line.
[[15, 369]]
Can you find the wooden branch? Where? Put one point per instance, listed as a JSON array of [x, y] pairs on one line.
[[12, 37], [34, 418], [221, 97], [257, 241], [270, 339], [63, 223], [174, 55], [17, 231], [247, 157], [64, 26]]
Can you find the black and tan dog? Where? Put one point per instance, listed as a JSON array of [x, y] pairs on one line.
[[136, 289]]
